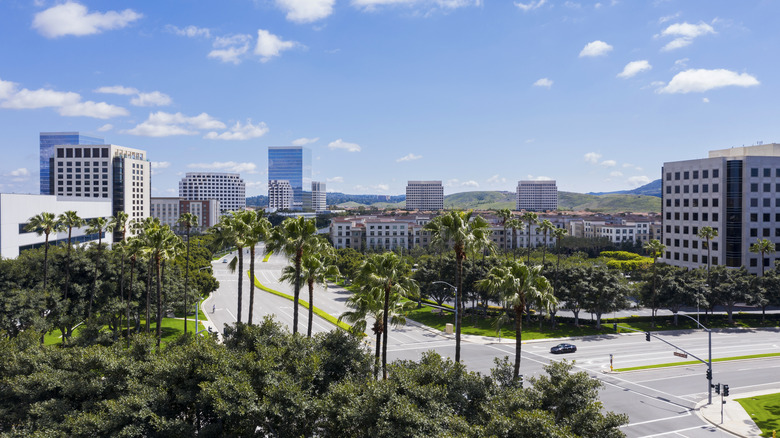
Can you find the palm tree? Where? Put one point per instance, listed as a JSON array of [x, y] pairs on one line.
[[466, 235], [515, 224], [143, 231], [531, 218], [257, 231], [505, 215], [316, 267], [44, 224], [187, 221], [293, 238], [545, 226], [388, 273], [656, 249], [369, 303], [98, 226], [162, 244], [517, 285], [558, 235], [69, 220], [762, 246], [708, 233], [232, 231], [134, 249], [119, 225]]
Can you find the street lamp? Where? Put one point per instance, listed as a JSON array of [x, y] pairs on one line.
[[456, 297], [709, 359]]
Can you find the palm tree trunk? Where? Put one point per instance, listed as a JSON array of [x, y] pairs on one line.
[[95, 278], [46, 261], [384, 332], [187, 281], [458, 302], [240, 281], [67, 265], [311, 306], [149, 292], [518, 338], [378, 348], [251, 285], [159, 302], [297, 290], [129, 295]]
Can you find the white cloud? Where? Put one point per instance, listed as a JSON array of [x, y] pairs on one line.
[[538, 178], [67, 103], [525, 7], [595, 48], [574, 5], [7, 89], [20, 172], [410, 157], [155, 98], [306, 11], [705, 100], [240, 132], [376, 187], [117, 89], [681, 64], [701, 80], [639, 180], [160, 164], [633, 68], [543, 82], [454, 182], [431, 5], [232, 40], [106, 127], [470, 183], [684, 34], [18, 176], [496, 179], [270, 45], [616, 173], [304, 141], [231, 54], [229, 166], [98, 110], [190, 31], [609, 163], [592, 157], [335, 179], [341, 144], [162, 124], [72, 18], [663, 20]]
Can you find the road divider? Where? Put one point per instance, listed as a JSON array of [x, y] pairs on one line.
[[267, 256], [694, 362]]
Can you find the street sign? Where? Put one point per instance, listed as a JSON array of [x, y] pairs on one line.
[[678, 354]]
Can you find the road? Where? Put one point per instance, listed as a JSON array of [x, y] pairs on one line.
[[659, 402]]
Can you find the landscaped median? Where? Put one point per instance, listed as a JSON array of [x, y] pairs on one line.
[[694, 362], [764, 410], [319, 312], [267, 256]]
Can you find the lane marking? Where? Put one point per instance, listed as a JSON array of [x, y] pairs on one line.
[[686, 414]]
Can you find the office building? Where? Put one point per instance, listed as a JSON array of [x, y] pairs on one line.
[[318, 196], [537, 195], [168, 210], [424, 195], [47, 142], [736, 192], [280, 195], [292, 164], [112, 172], [227, 188], [16, 211]]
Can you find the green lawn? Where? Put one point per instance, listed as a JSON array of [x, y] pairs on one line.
[[171, 328], [764, 410]]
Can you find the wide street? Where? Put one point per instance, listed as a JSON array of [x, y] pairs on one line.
[[659, 402]]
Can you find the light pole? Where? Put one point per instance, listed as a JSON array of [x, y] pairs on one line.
[[709, 358], [456, 297]]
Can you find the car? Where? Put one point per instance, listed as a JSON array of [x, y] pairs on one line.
[[563, 348], [224, 260]]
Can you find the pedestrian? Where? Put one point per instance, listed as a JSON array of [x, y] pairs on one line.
[[213, 308]]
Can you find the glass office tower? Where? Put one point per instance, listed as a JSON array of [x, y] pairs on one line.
[[48, 141], [293, 164]]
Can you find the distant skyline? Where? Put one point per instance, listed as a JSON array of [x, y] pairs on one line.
[[593, 94]]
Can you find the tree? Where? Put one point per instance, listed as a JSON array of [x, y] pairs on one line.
[[119, 225], [765, 291], [515, 224], [505, 215], [656, 249], [517, 285], [606, 293], [44, 224], [466, 234], [763, 246], [98, 226], [187, 221], [69, 220], [732, 286], [162, 244], [232, 231], [293, 238], [388, 273], [531, 218], [575, 285], [257, 229], [707, 234], [545, 227]]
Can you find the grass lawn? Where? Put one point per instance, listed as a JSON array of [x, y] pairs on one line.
[[267, 256], [171, 328], [764, 410]]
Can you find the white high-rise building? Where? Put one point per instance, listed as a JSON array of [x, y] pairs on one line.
[[169, 210], [280, 195], [227, 188], [112, 172], [424, 195], [318, 196], [537, 195]]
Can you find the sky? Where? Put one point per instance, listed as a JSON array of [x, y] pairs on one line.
[[480, 94]]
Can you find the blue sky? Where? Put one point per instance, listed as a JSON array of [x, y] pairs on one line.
[[476, 93]]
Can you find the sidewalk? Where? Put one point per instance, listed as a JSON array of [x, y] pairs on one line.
[[735, 419]]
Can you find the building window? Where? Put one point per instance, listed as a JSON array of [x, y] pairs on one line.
[[705, 173], [715, 188], [754, 232], [686, 175], [767, 202], [754, 202], [754, 187], [754, 172], [676, 176], [695, 174]]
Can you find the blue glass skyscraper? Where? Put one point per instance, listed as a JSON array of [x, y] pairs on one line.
[[293, 164], [51, 139]]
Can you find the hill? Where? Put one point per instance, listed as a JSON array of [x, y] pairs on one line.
[[652, 188]]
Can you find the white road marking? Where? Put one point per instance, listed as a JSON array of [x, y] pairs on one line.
[[231, 314], [686, 414], [677, 432]]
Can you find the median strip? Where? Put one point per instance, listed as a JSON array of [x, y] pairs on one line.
[[694, 362], [267, 256]]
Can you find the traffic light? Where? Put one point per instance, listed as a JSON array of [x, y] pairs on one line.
[[647, 336], [709, 374], [725, 390], [717, 388]]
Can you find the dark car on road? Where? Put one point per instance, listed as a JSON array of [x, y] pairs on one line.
[[563, 348]]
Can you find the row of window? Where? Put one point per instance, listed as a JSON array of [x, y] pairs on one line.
[[693, 244], [82, 153], [692, 202], [705, 188], [692, 257], [78, 163], [687, 174], [690, 216]]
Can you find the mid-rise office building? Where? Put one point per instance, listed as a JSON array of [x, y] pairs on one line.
[[736, 192], [47, 142], [537, 195], [227, 188], [112, 172], [292, 164], [280, 195], [319, 200], [168, 210], [424, 195]]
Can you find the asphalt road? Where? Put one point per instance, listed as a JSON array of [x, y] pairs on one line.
[[659, 402]]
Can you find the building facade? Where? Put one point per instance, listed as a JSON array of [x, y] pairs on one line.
[[319, 199], [47, 142], [227, 188], [292, 164], [280, 195], [537, 195], [736, 192], [424, 195], [169, 210]]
